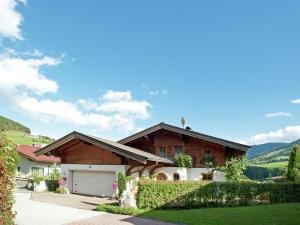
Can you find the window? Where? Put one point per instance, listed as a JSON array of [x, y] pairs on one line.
[[176, 177], [178, 150], [161, 176], [35, 169], [207, 153], [207, 176], [162, 151]]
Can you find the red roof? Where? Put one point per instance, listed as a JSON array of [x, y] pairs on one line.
[[28, 151]]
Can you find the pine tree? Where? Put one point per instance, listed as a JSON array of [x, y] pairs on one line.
[[293, 172]]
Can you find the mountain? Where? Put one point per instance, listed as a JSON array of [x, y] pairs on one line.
[[277, 157], [19, 134], [260, 149], [10, 125]]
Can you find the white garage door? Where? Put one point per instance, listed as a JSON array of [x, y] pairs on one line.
[[93, 183]]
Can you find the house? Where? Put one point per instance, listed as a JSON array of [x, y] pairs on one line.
[[30, 162], [90, 164]]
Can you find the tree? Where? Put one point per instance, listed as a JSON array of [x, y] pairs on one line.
[[233, 169], [183, 122], [293, 172]]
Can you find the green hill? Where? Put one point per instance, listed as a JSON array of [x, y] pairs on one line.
[[276, 158], [20, 134], [10, 125], [22, 138]]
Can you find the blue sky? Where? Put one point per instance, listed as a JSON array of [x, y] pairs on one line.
[[111, 68]]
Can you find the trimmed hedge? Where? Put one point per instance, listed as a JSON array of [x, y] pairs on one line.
[[52, 185], [216, 194]]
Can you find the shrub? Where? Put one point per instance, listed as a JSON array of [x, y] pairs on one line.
[[184, 160], [116, 209], [9, 159], [233, 169], [61, 191], [6, 195], [37, 177], [293, 172], [190, 194], [121, 183], [52, 185]]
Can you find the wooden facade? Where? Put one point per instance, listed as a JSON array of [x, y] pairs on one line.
[[191, 146]]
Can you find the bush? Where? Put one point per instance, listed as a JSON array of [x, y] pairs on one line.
[[6, 195], [61, 191], [184, 160], [116, 209], [8, 162], [216, 194], [233, 169], [37, 177], [52, 185], [121, 183]]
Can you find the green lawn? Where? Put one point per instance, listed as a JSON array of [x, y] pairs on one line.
[[22, 138], [272, 165], [279, 214]]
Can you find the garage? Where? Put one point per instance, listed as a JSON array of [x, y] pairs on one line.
[[98, 183]]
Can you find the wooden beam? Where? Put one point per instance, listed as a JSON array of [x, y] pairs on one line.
[[144, 168], [68, 146]]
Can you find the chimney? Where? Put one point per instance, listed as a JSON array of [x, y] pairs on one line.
[[188, 128]]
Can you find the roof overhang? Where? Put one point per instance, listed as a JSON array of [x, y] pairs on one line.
[[197, 135], [126, 151]]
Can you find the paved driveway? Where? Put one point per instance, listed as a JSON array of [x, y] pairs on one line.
[[31, 212], [39, 213], [71, 200]]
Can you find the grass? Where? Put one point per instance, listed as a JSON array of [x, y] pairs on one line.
[[273, 165], [21, 138], [278, 214], [116, 209]]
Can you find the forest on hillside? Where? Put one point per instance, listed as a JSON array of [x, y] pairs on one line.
[[10, 125]]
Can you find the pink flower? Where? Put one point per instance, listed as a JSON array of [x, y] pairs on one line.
[[61, 181], [115, 185]]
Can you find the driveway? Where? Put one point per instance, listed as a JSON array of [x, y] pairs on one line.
[[31, 212], [71, 200], [36, 213]]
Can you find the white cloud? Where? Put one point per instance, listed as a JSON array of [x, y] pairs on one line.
[[49, 110], [287, 134], [158, 92], [24, 85], [10, 19], [88, 104], [137, 109], [117, 96], [296, 101], [25, 74], [278, 114]]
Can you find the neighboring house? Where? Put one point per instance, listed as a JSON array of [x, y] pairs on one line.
[[91, 164], [30, 162]]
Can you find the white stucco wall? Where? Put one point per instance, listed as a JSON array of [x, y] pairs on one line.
[[67, 170], [189, 173], [26, 165]]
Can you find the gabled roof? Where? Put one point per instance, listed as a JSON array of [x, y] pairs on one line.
[[190, 133], [28, 152], [115, 147]]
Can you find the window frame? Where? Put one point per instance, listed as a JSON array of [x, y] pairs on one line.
[[176, 148], [159, 151]]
